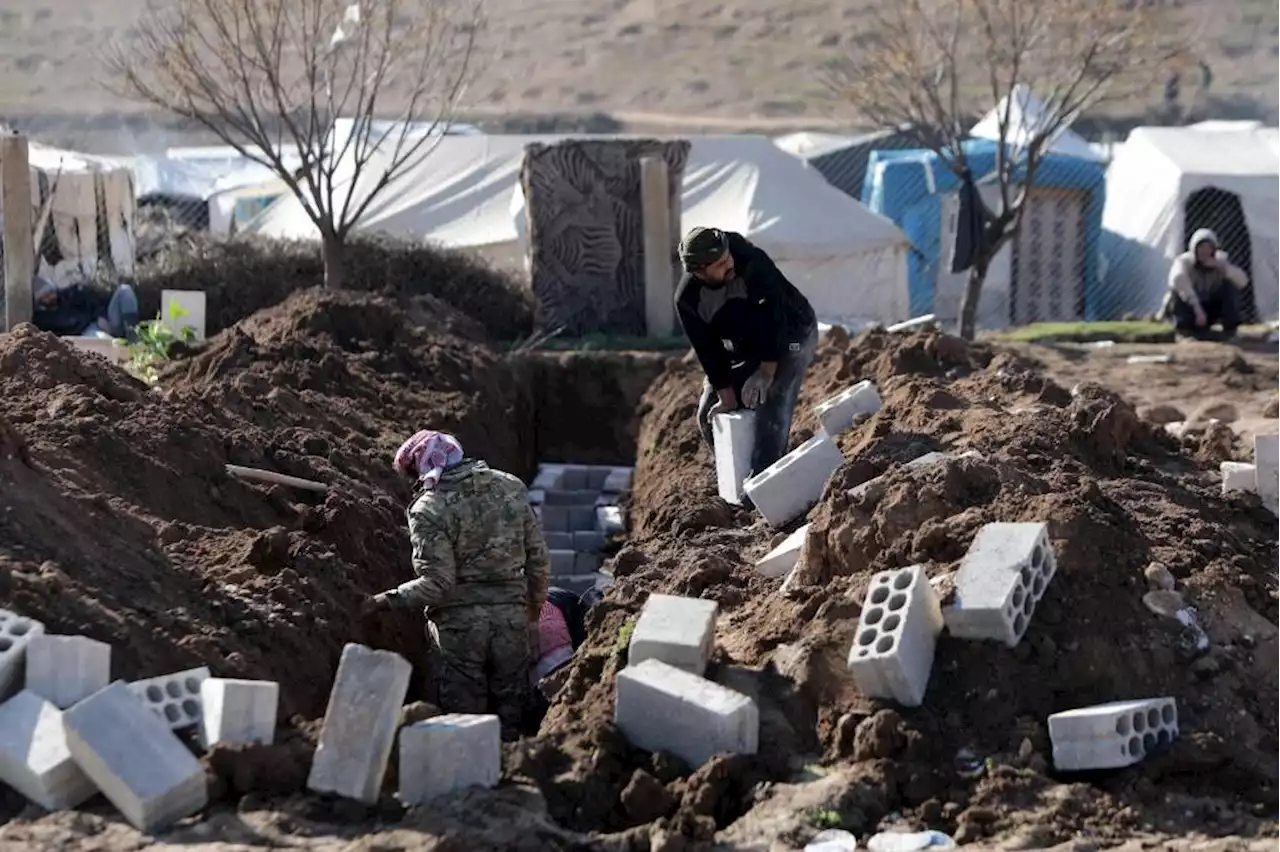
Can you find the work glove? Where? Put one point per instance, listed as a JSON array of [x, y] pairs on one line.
[[756, 388]]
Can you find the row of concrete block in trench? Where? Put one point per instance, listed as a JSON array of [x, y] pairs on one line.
[[68, 732], [578, 507]]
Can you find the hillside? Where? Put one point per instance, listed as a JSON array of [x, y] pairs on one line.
[[681, 63]]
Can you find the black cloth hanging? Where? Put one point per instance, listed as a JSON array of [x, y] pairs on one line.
[[973, 236]]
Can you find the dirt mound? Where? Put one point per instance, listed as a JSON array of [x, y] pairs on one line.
[[1116, 492]]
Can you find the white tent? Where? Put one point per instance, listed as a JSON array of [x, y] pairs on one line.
[[1027, 117], [808, 143], [850, 262], [1154, 175]]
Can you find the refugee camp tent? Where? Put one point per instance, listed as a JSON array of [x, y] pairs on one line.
[[466, 194], [842, 160], [1166, 182], [1028, 117], [1049, 274]]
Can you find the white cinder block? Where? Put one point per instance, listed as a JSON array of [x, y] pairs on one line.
[[734, 436], [1237, 476], [1266, 456], [609, 520], [448, 753], [791, 485], [1109, 736], [175, 697], [662, 708], [893, 646], [34, 758], [238, 712], [16, 632], [678, 631], [837, 413], [783, 558], [1001, 579], [360, 723], [575, 477], [548, 478], [66, 669], [618, 480], [134, 758]]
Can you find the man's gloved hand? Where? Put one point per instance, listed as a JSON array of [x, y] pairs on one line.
[[376, 603], [756, 388]]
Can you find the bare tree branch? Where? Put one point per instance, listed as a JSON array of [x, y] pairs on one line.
[[271, 77]]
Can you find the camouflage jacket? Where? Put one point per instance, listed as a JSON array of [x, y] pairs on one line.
[[475, 540]]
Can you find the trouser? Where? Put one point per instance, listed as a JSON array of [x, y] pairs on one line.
[[1221, 306], [773, 417], [121, 317], [482, 660]]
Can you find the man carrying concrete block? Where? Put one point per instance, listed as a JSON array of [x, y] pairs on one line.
[[754, 334]]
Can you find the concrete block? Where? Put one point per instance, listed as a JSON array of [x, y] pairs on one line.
[[555, 518], [238, 712], [1237, 476], [586, 563], [660, 708], [597, 475], [16, 633], [582, 518], [448, 753], [618, 480], [734, 437], [549, 477], [680, 632], [783, 558], [1266, 456], [360, 723], [575, 477], [588, 541], [577, 497], [34, 758], [175, 697], [66, 669], [134, 758], [1001, 579], [874, 488], [791, 485], [558, 540], [838, 413], [1112, 735], [897, 633], [561, 561], [609, 520], [537, 496]]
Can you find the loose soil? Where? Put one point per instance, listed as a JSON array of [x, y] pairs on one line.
[[119, 522]]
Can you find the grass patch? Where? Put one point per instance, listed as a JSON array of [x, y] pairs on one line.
[[824, 818], [1121, 331]]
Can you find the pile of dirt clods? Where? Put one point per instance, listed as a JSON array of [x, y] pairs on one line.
[[1117, 493]]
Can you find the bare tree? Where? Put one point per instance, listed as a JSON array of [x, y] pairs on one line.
[[932, 64], [270, 76]]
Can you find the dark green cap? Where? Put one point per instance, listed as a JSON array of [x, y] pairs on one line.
[[701, 247]]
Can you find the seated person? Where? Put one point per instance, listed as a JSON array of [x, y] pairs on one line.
[[561, 630], [80, 310], [1204, 288]]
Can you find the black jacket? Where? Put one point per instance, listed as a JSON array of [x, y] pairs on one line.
[[758, 313]]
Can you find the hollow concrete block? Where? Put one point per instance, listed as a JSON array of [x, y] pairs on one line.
[[67, 669], [783, 558], [448, 753], [790, 486], [894, 643], [174, 697], [1001, 579], [837, 413], [16, 632], [676, 630], [238, 712], [34, 758], [733, 436], [1112, 735]]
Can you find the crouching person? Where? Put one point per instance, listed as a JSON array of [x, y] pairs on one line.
[[1204, 289], [482, 573]]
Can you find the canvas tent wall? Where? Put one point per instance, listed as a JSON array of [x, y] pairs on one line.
[[850, 262], [842, 160], [1049, 274], [1166, 181]]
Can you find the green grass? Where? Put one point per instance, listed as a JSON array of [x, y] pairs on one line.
[[1135, 331]]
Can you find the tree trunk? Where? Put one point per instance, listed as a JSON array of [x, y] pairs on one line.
[[972, 292], [333, 249]]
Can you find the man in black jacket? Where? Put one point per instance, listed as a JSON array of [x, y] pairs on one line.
[[753, 332]]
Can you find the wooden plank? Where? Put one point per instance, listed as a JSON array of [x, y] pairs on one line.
[[19, 249]]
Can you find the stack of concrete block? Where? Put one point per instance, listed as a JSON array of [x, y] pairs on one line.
[[134, 758], [175, 698], [577, 505], [679, 631], [1111, 736], [897, 633], [1001, 579], [238, 712], [791, 485], [838, 413], [1238, 477], [1266, 457], [448, 753], [16, 633], [66, 669], [360, 723], [734, 436], [779, 561], [34, 758]]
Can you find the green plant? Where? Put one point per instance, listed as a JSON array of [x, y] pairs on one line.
[[824, 818], [624, 636], [151, 342]]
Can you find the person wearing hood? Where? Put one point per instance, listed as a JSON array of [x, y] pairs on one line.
[[753, 332], [1204, 288], [79, 310], [482, 574]]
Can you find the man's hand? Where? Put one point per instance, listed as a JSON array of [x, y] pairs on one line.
[[756, 388], [375, 603], [1201, 318], [727, 401]]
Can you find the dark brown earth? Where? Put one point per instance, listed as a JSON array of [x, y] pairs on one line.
[[117, 520]]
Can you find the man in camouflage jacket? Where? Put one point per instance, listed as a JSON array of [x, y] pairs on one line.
[[482, 573]]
